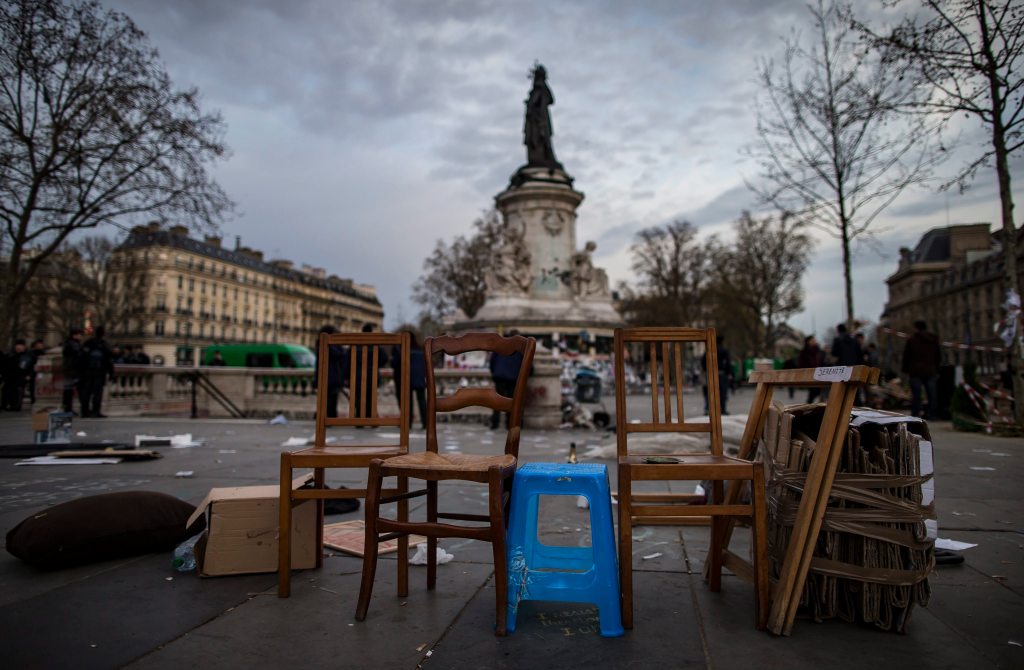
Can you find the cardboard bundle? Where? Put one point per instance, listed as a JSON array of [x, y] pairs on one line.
[[876, 546]]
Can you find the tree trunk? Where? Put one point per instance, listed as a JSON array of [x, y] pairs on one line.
[[847, 274], [1006, 202]]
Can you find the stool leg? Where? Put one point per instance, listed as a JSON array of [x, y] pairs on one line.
[[602, 533], [626, 545]]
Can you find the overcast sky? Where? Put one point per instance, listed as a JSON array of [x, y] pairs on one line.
[[361, 132]]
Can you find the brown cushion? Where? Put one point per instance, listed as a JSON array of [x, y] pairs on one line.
[[102, 527]]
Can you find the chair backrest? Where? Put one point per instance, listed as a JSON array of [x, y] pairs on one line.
[[356, 359], [669, 354], [480, 397]]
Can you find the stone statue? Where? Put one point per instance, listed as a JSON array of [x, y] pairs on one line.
[[511, 272], [585, 279], [537, 130]]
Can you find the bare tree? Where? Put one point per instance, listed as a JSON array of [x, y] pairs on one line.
[[829, 148], [759, 278], [454, 276], [673, 270], [91, 132], [970, 56]]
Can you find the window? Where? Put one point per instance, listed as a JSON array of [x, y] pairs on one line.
[[191, 284], [181, 282], [259, 360], [177, 327], [158, 328]]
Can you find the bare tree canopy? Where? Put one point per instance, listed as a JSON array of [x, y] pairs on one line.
[[829, 148], [455, 276], [969, 55], [760, 277], [92, 132], [672, 268]]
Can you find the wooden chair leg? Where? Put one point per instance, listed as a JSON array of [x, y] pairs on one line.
[[495, 500], [320, 482], [372, 512], [625, 547], [431, 539], [403, 541], [760, 546], [715, 553], [284, 529]]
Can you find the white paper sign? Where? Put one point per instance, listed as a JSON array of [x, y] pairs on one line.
[[835, 373]]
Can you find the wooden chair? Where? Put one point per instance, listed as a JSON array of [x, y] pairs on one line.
[[364, 353], [666, 349], [496, 471]]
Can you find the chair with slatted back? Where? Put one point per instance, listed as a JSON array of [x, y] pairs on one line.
[[364, 353], [496, 471], [664, 446]]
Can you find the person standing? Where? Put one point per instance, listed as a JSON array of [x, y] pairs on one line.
[[504, 372], [99, 366], [335, 378], [17, 368], [73, 367], [921, 358], [417, 377], [811, 356]]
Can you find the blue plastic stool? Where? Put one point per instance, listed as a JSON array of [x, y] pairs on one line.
[[539, 571]]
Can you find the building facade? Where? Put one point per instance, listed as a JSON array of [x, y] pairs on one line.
[[194, 293], [954, 279]]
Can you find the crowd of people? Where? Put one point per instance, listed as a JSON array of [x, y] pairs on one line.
[[87, 365], [18, 374]]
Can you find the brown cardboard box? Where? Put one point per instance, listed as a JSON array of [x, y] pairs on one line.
[[241, 530], [41, 419]]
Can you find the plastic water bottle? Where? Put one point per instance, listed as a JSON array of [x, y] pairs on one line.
[[185, 555]]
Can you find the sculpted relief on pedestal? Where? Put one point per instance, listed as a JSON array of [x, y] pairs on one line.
[[585, 280], [553, 221], [511, 271]]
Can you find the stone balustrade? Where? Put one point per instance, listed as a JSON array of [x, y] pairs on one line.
[[149, 390]]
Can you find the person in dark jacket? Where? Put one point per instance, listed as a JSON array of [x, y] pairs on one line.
[[17, 367], [335, 379], [504, 372], [845, 349], [811, 356], [417, 377], [921, 359], [99, 366], [73, 367]]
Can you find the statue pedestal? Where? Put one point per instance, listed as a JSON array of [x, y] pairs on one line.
[[543, 284]]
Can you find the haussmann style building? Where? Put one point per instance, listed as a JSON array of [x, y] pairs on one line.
[[197, 293]]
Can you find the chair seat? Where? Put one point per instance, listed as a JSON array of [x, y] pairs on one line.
[[462, 463], [352, 450], [689, 460]]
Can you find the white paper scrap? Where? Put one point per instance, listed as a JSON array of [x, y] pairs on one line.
[[953, 545], [295, 442], [982, 468], [650, 556]]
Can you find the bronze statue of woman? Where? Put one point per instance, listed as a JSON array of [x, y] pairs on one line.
[[537, 128]]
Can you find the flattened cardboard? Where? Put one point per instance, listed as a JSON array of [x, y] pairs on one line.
[[350, 537], [242, 530]]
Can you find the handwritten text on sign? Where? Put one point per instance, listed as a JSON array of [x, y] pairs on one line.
[[835, 373]]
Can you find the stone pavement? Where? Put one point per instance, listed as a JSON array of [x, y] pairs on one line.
[[139, 613]]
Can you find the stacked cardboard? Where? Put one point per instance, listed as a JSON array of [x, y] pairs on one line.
[[875, 550]]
